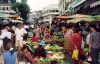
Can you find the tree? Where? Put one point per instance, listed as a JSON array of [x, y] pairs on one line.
[[24, 1], [22, 9]]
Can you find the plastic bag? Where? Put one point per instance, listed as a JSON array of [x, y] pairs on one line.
[[75, 54]]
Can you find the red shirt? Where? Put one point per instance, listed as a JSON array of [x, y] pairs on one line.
[[76, 40], [34, 39]]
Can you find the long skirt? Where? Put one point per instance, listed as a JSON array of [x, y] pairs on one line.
[[67, 45]]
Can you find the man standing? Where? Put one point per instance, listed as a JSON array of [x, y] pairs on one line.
[[19, 32], [94, 45]]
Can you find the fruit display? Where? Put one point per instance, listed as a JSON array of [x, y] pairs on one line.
[[53, 47], [63, 62], [32, 43], [44, 59], [86, 51], [57, 56], [53, 52]]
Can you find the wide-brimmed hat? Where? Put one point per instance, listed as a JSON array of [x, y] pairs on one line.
[[42, 43]]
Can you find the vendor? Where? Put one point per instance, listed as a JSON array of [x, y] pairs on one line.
[[28, 54], [40, 51], [34, 39]]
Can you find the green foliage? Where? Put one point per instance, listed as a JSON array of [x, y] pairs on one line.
[[24, 1], [22, 9]]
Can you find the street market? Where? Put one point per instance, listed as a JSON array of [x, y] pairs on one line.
[[51, 35]]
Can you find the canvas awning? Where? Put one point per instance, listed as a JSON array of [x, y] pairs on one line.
[[96, 17], [4, 15], [18, 18], [75, 20], [62, 17], [79, 16]]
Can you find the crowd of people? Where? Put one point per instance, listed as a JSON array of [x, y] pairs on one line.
[[15, 50]]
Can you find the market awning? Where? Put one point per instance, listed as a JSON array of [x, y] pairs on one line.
[[75, 20], [62, 17], [4, 15], [79, 16], [18, 18], [96, 17]]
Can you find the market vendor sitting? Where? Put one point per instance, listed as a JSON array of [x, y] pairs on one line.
[[34, 39], [40, 51], [48, 38]]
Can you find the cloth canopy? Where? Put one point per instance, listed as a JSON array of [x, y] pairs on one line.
[[75, 20], [79, 16]]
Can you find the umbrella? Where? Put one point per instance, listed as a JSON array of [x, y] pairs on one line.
[[4, 15], [8, 18], [75, 20], [62, 17], [79, 16], [18, 18]]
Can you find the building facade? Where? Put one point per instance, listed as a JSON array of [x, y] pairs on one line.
[[36, 16], [88, 7], [50, 12], [8, 1], [63, 6], [6, 8]]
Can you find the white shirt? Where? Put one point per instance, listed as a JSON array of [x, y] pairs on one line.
[[25, 26], [19, 33], [88, 38], [32, 26], [5, 34], [3, 30], [14, 28], [1, 43]]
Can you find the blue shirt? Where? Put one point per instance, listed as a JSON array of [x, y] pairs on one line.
[[8, 58]]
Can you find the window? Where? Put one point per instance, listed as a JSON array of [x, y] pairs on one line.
[[50, 10], [11, 8], [0, 8], [53, 10], [7, 8], [56, 10], [3, 8]]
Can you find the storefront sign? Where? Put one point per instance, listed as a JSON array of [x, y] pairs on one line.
[[95, 4]]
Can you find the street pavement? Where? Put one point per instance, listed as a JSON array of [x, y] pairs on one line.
[[69, 59]]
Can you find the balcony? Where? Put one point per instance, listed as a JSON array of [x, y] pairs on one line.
[[95, 4]]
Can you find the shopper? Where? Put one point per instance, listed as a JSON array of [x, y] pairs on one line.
[[76, 42], [10, 57], [37, 31], [20, 32], [94, 44], [67, 36]]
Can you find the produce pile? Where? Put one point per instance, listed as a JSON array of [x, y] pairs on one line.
[[54, 52], [53, 47], [58, 37]]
